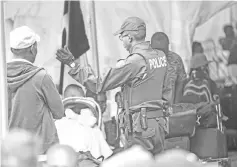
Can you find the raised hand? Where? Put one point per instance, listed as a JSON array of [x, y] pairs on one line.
[[65, 56]]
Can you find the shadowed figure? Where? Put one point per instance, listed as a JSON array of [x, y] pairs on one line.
[[61, 155], [20, 149]]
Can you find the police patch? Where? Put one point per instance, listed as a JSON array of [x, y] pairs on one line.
[[157, 62]]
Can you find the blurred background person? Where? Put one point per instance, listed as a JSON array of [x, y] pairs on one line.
[[197, 48], [229, 40], [135, 156], [177, 158], [61, 156], [20, 149]]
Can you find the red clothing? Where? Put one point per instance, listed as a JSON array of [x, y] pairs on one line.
[[33, 101]]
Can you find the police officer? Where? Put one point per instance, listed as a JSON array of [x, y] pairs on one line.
[[141, 76]]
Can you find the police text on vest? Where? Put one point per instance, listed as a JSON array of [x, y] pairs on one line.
[[158, 62]]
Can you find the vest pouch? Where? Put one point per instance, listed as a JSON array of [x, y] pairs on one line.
[[144, 138], [148, 133], [143, 118]]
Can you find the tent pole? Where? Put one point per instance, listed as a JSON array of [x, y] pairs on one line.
[[94, 41], [3, 76]]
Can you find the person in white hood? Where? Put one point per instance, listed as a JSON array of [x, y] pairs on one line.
[[81, 133]]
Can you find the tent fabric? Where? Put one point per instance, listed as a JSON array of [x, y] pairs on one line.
[[178, 19]]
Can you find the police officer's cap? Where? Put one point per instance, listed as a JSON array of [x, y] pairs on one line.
[[131, 24]]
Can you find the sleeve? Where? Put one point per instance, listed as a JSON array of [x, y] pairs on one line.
[[114, 78], [214, 88], [85, 76], [52, 97], [166, 86], [181, 76], [118, 76], [179, 90], [181, 71], [172, 93]]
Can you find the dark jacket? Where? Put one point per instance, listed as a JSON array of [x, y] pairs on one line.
[[175, 77], [33, 101]]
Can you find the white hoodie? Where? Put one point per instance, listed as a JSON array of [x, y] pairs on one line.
[[81, 133]]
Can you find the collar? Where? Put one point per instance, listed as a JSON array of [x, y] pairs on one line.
[[21, 60], [140, 46]]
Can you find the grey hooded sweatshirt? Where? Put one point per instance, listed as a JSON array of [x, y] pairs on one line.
[[33, 101]]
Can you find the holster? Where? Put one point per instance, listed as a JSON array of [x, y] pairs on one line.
[[128, 121], [143, 119]]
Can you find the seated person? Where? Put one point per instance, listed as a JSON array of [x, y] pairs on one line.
[[78, 129], [201, 90], [74, 90]]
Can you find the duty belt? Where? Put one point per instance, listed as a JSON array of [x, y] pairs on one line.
[[150, 114], [155, 114]]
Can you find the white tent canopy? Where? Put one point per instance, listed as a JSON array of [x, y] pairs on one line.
[[176, 18], [179, 19]]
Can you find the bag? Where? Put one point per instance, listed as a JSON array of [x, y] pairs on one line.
[[220, 162], [231, 139], [229, 104], [207, 112], [178, 142], [209, 143], [209, 121], [183, 120]]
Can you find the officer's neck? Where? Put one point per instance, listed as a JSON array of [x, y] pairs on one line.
[[165, 50], [135, 43]]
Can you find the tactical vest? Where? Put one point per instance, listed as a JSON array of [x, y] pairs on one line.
[[148, 88]]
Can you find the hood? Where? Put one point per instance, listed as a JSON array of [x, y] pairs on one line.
[[20, 72]]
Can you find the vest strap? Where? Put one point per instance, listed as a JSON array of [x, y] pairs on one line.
[[139, 55]]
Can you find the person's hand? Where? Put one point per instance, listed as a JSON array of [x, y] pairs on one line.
[[216, 98], [65, 56]]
